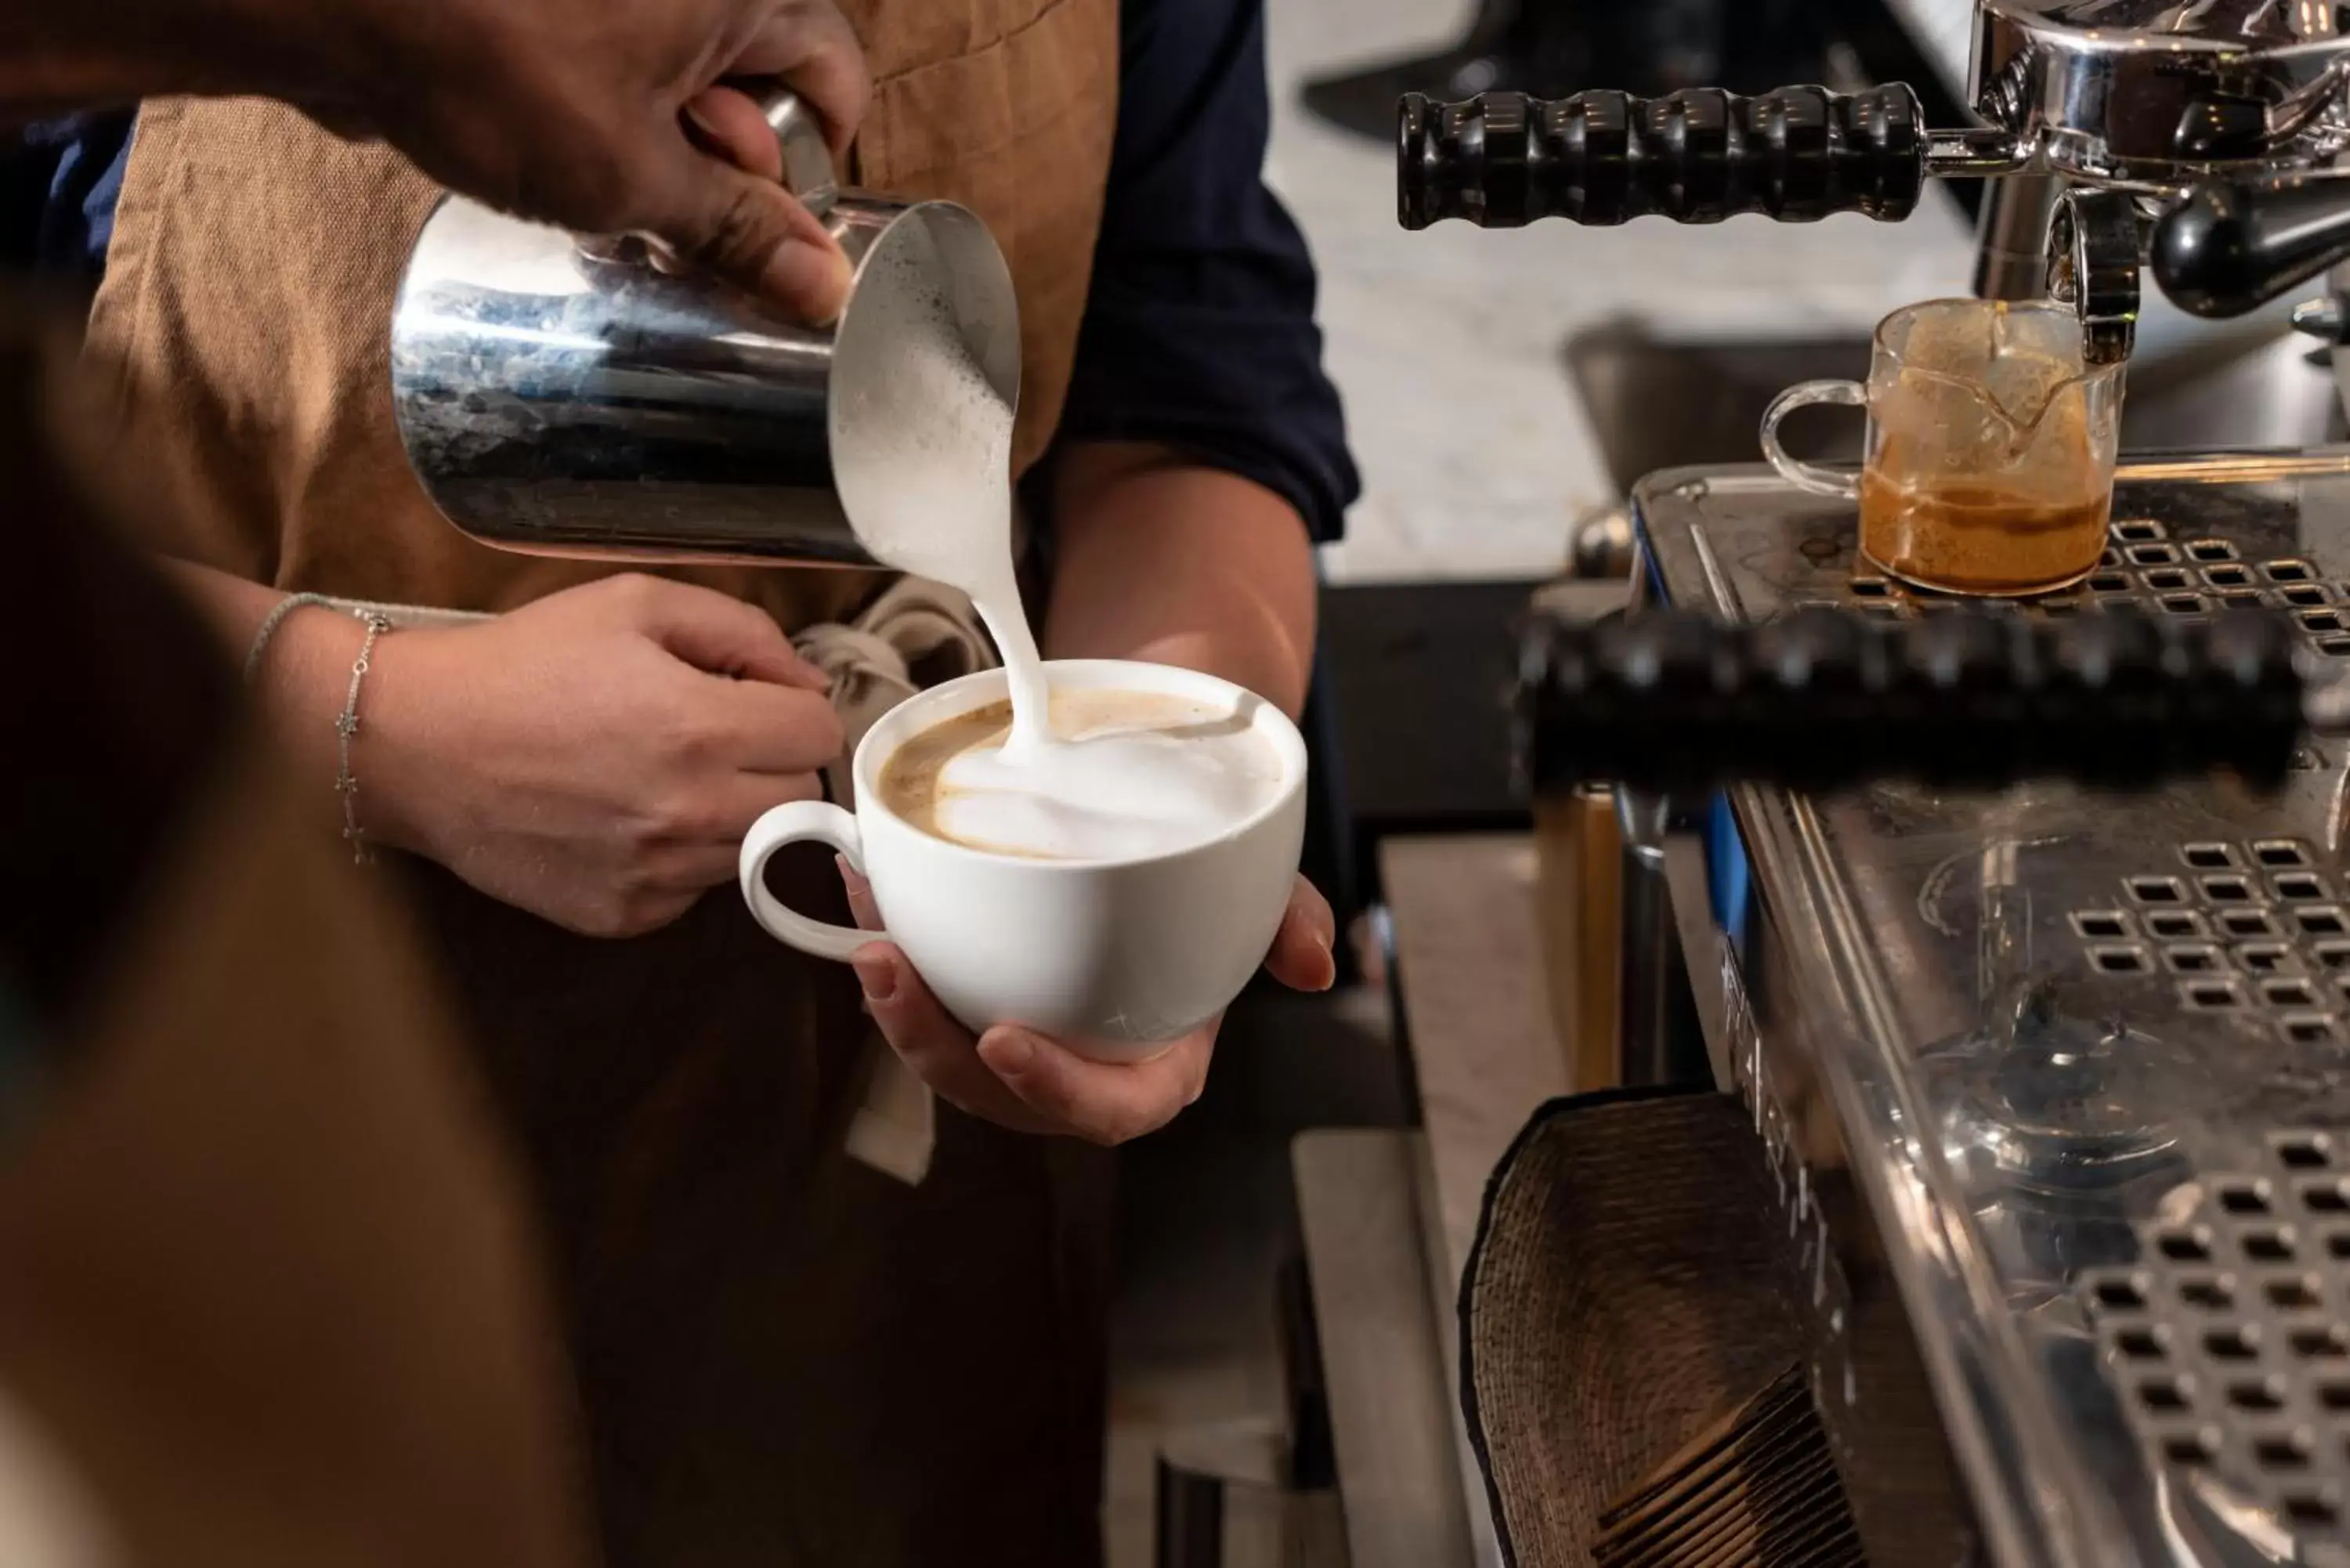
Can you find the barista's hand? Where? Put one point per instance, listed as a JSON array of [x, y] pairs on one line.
[[603, 115], [1023, 1081], [596, 757]]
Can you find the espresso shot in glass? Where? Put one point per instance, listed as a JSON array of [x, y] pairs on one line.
[[1990, 456]]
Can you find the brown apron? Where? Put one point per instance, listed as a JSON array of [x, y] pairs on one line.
[[784, 1357]]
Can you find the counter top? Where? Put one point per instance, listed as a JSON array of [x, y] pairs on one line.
[[1484, 1057]]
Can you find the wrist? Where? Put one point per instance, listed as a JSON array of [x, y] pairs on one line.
[[396, 756], [304, 685]]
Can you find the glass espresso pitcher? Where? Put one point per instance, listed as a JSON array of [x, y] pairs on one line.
[[1989, 463]]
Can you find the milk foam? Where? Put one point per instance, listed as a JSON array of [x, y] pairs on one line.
[[1162, 776]]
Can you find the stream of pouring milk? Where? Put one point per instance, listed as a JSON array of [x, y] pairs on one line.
[[924, 453]]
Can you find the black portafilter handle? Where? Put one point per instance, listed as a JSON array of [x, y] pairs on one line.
[[1697, 156], [1826, 698], [2230, 247]]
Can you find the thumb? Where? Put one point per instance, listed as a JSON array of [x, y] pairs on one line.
[[755, 234], [1302, 956], [722, 636]]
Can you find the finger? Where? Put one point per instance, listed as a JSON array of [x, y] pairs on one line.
[[811, 45], [727, 215], [772, 730], [1103, 1102], [730, 126], [1302, 956], [861, 903], [750, 232], [722, 635], [933, 1044]]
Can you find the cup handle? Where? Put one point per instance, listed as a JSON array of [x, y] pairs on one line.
[[1807, 476], [799, 822]]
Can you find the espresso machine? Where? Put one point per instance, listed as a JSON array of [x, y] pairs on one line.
[[2023, 926]]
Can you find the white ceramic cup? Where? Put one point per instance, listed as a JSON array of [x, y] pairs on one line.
[[1113, 959]]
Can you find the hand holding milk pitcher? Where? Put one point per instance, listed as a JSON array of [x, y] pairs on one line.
[[1098, 853]]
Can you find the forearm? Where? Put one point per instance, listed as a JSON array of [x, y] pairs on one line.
[[1177, 564]]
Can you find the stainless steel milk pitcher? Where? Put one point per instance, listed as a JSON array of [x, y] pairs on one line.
[[564, 399]]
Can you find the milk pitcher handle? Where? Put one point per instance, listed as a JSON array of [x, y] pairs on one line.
[[795, 824], [1807, 476], [808, 173]]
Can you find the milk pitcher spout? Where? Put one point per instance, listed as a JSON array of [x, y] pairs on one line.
[[561, 399]]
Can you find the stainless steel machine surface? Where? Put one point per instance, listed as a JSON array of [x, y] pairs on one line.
[[2058, 1077], [2162, 93], [2084, 1058]]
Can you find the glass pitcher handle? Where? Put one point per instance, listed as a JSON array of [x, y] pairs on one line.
[[1808, 477]]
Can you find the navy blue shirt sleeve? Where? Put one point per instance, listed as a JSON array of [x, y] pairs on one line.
[[1199, 332], [61, 182]]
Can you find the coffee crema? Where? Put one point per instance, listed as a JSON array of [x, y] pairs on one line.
[[1977, 538], [1132, 774]]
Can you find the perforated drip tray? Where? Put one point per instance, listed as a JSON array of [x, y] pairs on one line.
[[2228, 1343], [2147, 569], [2237, 926]]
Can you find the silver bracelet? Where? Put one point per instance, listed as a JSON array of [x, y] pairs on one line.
[[276, 619], [346, 729]]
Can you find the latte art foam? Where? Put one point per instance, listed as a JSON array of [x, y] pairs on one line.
[[1131, 774]]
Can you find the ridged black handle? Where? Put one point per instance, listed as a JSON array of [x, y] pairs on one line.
[[2228, 248], [1823, 699], [1698, 156]]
